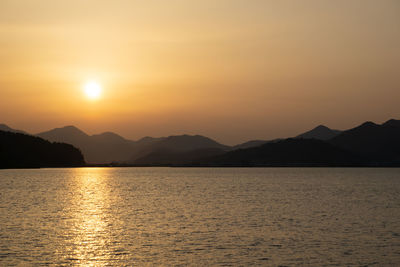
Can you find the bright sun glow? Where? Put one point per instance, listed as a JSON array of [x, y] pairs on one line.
[[93, 90]]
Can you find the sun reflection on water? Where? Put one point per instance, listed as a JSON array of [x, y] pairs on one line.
[[91, 218], [201, 217]]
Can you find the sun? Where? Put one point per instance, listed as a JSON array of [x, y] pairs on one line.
[[92, 90]]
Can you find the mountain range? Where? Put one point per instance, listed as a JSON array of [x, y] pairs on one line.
[[369, 144], [100, 148], [109, 147]]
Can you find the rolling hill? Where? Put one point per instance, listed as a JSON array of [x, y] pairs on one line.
[[379, 143], [320, 132], [102, 148], [288, 152], [5, 128], [109, 147], [25, 151], [177, 149]]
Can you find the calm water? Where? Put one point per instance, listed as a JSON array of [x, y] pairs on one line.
[[206, 216]]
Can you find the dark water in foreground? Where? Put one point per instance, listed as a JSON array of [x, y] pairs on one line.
[[207, 216]]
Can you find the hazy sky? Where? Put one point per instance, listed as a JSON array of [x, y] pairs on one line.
[[230, 70]]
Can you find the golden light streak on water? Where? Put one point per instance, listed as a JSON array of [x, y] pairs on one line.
[[91, 217], [200, 217]]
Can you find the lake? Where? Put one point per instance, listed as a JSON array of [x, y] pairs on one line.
[[200, 216]]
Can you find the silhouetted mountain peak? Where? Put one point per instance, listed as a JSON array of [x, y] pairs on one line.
[[176, 147], [72, 129], [192, 140], [186, 141], [321, 132], [69, 134], [321, 127], [110, 136], [392, 122], [4, 127], [378, 143], [66, 130], [368, 124]]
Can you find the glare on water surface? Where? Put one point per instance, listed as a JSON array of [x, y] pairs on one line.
[[203, 217]]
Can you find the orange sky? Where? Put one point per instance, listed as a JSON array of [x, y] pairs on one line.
[[230, 70]]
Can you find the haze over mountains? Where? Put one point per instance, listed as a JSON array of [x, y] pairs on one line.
[[365, 145], [101, 148], [110, 147]]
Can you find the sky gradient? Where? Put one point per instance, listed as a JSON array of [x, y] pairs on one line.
[[230, 70]]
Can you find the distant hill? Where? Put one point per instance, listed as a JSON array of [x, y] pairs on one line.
[[69, 134], [369, 144], [288, 152], [25, 151], [101, 148], [187, 142], [253, 143], [392, 122], [5, 128], [174, 149], [379, 143], [177, 158], [320, 132], [110, 147]]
